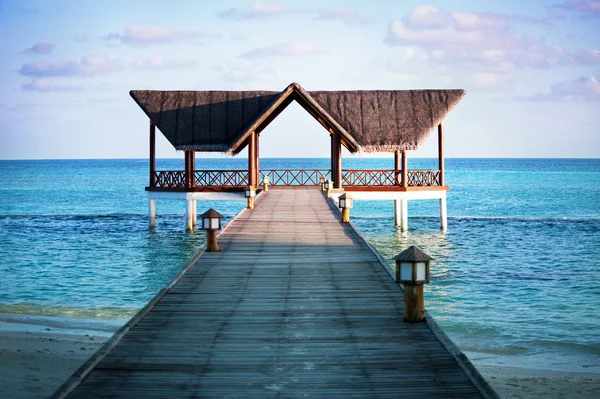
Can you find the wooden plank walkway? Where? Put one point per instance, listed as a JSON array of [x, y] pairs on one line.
[[296, 305]]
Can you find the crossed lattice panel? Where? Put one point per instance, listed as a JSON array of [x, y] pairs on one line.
[[421, 178], [294, 177], [220, 178], [170, 178], [369, 178]]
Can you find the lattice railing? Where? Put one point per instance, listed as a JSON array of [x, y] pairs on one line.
[[298, 177], [220, 178], [362, 177], [388, 178], [169, 178], [295, 177], [422, 178]]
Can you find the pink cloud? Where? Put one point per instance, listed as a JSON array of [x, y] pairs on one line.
[[348, 16], [479, 41], [141, 35], [160, 63], [259, 9], [588, 9], [84, 67], [45, 85], [585, 88], [283, 50], [40, 48]]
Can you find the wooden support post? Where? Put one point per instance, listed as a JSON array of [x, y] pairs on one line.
[[152, 154], [414, 306], [211, 241], [397, 213], [404, 215], [189, 225], [345, 215], [152, 212], [404, 169], [189, 169], [397, 175], [257, 157], [441, 152], [194, 213], [252, 167], [336, 160], [192, 170], [443, 215]]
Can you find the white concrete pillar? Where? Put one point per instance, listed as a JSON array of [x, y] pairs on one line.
[[189, 224], [195, 213], [404, 221], [443, 215], [152, 211], [397, 213]]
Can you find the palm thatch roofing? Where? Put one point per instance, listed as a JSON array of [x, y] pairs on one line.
[[366, 120]]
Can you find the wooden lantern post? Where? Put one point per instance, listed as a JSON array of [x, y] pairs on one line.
[[328, 186], [412, 269], [250, 194], [322, 181], [211, 222], [345, 203]]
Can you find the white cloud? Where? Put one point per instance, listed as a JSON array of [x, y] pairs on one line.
[[481, 43], [47, 85], [84, 67], [587, 9], [143, 35], [160, 62], [427, 17], [283, 50], [40, 48], [259, 9], [581, 89], [348, 16]]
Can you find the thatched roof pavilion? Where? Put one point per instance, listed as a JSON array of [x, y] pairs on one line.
[[360, 120], [366, 120]]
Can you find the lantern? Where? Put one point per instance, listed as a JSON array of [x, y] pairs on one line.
[[266, 181], [412, 270], [345, 203], [211, 222], [250, 194]]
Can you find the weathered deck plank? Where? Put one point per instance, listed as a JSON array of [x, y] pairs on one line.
[[295, 305]]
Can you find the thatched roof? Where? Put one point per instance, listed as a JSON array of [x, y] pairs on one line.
[[370, 121]]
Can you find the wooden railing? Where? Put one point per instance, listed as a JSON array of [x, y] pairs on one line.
[[298, 177], [295, 177], [169, 178], [221, 178], [389, 178]]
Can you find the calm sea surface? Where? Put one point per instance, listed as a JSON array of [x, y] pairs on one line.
[[515, 279]]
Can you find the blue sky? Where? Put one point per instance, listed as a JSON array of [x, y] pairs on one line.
[[531, 69]]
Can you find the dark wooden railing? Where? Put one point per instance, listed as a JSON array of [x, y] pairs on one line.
[[389, 178], [169, 178], [298, 177], [221, 178], [295, 177]]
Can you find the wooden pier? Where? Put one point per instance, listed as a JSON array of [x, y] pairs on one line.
[[296, 305]]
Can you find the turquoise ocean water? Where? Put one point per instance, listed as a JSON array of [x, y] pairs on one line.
[[515, 279]]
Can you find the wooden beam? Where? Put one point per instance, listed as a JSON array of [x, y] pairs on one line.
[[257, 157], [189, 171], [192, 168], [441, 152], [252, 161], [336, 145], [397, 167], [152, 154], [404, 169]]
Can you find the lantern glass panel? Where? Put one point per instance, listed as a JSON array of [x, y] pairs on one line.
[[322, 179], [327, 184], [342, 203], [214, 223], [406, 271], [206, 223], [348, 202], [421, 271]]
